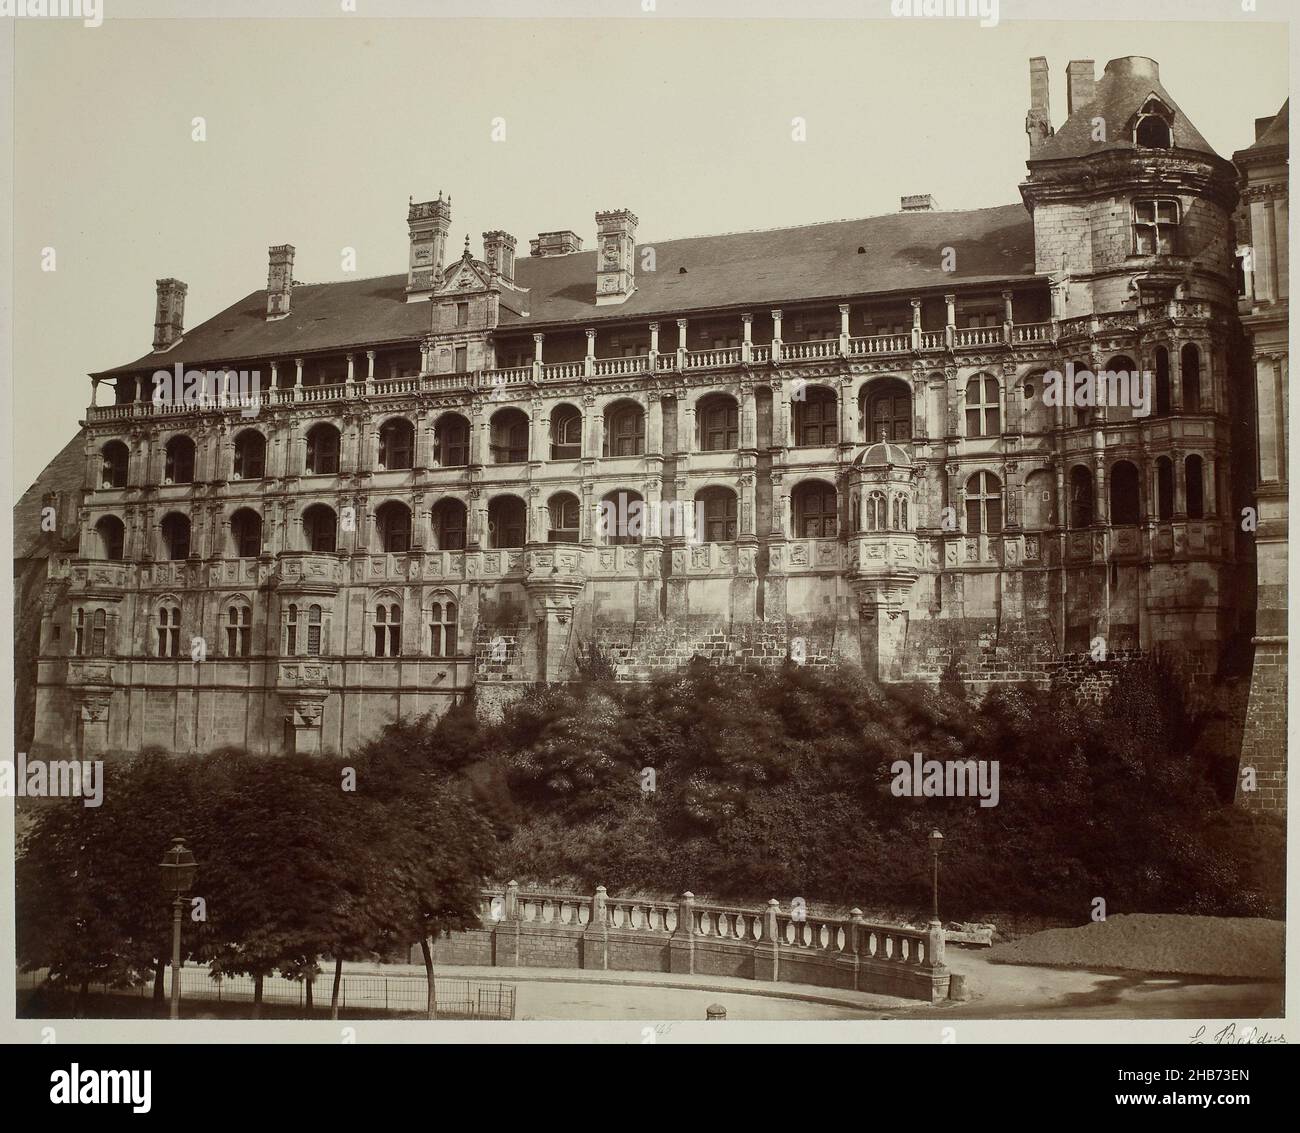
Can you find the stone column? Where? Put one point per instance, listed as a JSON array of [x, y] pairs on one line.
[[747, 342], [848, 411], [916, 324], [950, 328], [748, 411], [537, 357], [370, 367], [844, 329], [297, 379], [776, 335], [681, 344], [654, 423], [589, 363], [681, 946]]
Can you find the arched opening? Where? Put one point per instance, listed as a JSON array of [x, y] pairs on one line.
[[387, 626], [179, 461], [168, 626], [1125, 494], [451, 441], [622, 517], [393, 526], [176, 535], [983, 504], [320, 528], [507, 522], [1162, 382], [396, 444], [983, 413], [564, 518], [566, 433], [1191, 368], [1152, 127], [1194, 469], [816, 510], [246, 533], [508, 436], [115, 461], [886, 410], [112, 537], [816, 417], [624, 429], [898, 518], [1118, 387], [717, 423], [449, 525], [718, 507], [877, 518], [250, 455], [322, 450], [1164, 488], [1040, 501], [1081, 502]]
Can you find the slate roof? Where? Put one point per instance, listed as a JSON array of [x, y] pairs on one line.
[[1119, 94], [1276, 135], [901, 253], [64, 473]]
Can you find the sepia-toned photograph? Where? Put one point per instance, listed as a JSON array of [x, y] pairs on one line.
[[630, 519]]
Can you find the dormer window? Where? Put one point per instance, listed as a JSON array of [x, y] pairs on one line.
[[1155, 228], [1152, 127]]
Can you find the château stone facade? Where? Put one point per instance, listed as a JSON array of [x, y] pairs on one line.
[[836, 438]]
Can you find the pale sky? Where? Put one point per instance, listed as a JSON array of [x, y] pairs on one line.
[[319, 130]]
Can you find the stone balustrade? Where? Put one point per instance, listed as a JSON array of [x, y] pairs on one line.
[[536, 928]]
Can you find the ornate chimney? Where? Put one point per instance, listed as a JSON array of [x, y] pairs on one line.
[[499, 253], [169, 316], [1080, 85], [428, 224], [555, 243], [279, 281], [615, 256]]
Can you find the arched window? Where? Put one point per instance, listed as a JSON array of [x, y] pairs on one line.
[[564, 520], [624, 430], [623, 517], [1152, 126], [250, 455], [176, 535], [442, 629], [816, 417], [112, 536], [1040, 501], [388, 629], [320, 528], [178, 467], [1162, 382], [983, 417], [322, 450], [816, 510], [169, 631], [1191, 367], [1164, 488], [449, 525], [509, 436], [876, 518], [1081, 503], [396, 444], [239, 630], [451, 441], [887, 410], [717, 422], [115, 460], [719, 509], [246, 533], [393, 525], [566, 433], [898, 514], [291, 630], [1125, 496], [1194, 468], [314, 631], [983, 504], [99, 632], [507, 521]]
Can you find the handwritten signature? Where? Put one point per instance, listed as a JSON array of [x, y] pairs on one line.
[[1230, 1036]]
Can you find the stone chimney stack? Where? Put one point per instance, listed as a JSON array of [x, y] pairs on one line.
[[429, 224], [169, 316], [555, 243], [1038, 122], [279, 280], [615, 256], [1080, 85], [499, 253], [920, 202]]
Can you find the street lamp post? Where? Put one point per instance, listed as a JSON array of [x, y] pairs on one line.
[[936, 845], [177, 871]]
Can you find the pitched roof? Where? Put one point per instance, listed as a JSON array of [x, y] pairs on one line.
[[1276, 135], [1119, 94], [63, 474], [900, 253]]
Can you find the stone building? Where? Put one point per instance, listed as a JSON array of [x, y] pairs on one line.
[[830, 441], [1262, 229]]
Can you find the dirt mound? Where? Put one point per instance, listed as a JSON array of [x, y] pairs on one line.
[[1242, 947]]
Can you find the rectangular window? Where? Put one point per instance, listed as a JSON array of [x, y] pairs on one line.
[[313, 640], [291, 640], [462, 359], [1155, 227]]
